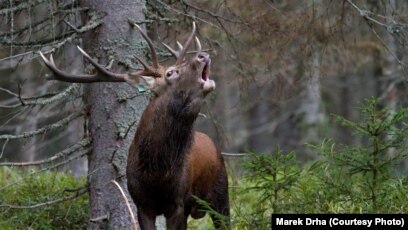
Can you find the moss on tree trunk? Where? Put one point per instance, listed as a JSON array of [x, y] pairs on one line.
[[113, 111]]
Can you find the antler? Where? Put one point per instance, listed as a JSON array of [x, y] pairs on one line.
[[102, 74], [155, 60], [186, 45], [175, 53], [198, 44], [179, 55], [62, 76]]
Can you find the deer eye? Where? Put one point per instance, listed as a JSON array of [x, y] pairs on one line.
[[169, 73], [172, 73]]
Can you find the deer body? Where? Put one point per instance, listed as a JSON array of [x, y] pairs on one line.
[[169, 163]]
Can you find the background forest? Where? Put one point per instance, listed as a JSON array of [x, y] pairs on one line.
[[309, 109]]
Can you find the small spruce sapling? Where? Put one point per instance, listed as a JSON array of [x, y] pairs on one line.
[[359, 173]]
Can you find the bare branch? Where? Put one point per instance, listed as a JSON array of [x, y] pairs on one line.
[[45, 129], [39, 43], [75, 195], [394, 55], [72, 26], [55, 45], [370, 20], [63, 94], [234, 154], [4, 147], [169, 8], [8, 91], [81, 154], [212, 14], [366, 15], [21, 6], [127, 204], [19, 94], [64, 153], [99, 218]]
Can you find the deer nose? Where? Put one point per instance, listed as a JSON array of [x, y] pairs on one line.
[[203, 56]]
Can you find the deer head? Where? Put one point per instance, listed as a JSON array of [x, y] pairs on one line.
[[155, 77]]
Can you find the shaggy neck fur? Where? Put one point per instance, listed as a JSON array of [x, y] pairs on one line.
[[165, 133]]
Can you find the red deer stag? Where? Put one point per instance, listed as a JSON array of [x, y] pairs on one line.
[[169, 164]]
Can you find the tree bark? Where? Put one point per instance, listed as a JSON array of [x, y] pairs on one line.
[[113, 112], [311, 102], [390, 67]]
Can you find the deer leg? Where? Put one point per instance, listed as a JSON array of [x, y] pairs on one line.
[[177, 220], [220, 204], [146, 222], [221, 219]]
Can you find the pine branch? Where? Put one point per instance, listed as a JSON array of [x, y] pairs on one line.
[[40, 101], [45, 129], [64, 153], [76, 194], [81, 154]]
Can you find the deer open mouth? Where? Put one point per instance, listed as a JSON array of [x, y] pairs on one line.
[[207, 84], [205, 61], [205, 75]]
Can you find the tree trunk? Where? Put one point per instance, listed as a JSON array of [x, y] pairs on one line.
[[390, 67], [113, 111], [311, 102], [387, 76]]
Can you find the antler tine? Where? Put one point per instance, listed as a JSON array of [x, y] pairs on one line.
[[147, 71], [101, 69], [180, 46], [62, 76], [186, 45], [198, 43], [144, 64], [173, 52], [102, 75], [155, 60]]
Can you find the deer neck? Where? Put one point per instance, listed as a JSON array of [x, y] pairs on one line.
[[165, 134]]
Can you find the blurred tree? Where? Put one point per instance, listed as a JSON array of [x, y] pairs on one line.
[[290, 64], [110, 110]]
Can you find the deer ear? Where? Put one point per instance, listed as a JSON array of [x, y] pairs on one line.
[[136, 82], [148, 82], [131, 81]]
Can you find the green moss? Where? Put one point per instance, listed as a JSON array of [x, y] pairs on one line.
[[40, 188]]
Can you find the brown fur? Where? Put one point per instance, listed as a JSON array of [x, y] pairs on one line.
[[206, 174], [169, 163]]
